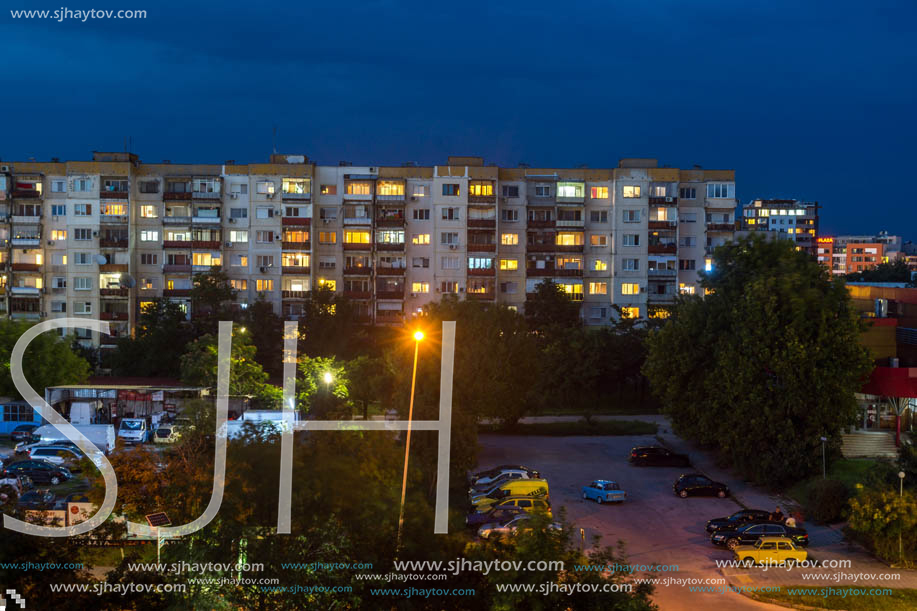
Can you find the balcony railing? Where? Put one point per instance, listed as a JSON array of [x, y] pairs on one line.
[[113, 219], [295, 196], [26, 267], [721, 227], [479, 247], [390, 221], [113, 243], [568, 272], [539, 271], [654, 273], [26, 193], [176, 292], [293, 294], [661, 297], [205, 220], [120, 292], [357, 271], [24, 291], [358, 220], [357, 294], [390, 294], [481, 271], [176, 268], [26, 219], [389, 271], [113, 267], [206, 244], [179, 244], [540, 247], [485, 296], [663, 201], [358, 246], [285, 245], [176, 220], [25, 242], [662, 249], [389, 317], [482, 223], [532, 223], [103, 194], [569, 223], [568, 248], [113, 315], [294, 269], [207, 196], [389, 246], [662, 224], [296, 220]]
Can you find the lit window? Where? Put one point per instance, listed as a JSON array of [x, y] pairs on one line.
[[708, 264], [630, 289], [450, 189], [297, 186], [575, 291], [600, 265], [659, 312], [327, 237], [363, 187], [149, 212], [686, 289], [598, 239], [509, 239], [356, 237], [113, 209], [239, 285], [481, 188], [630, 191], [570, 189], [420, 287], [599, 192], [264, 284], [149, 236], [569, 238], [328, 284], [420, 238], [598, 288], [328, 189], [205, 259], [58, 234], [390, 187], [509, 264], [265, 187], [630, 312]]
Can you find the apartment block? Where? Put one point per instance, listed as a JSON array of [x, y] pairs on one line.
[[101, 238], [786, 218]]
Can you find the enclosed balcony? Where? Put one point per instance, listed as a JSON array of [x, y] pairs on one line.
[[296, 189], [295, 263], [390, 190], [390, 216], [571, 192], [26, 187], [294, 215], [26, 214], [481, 266], [482, 217], [114, 237], [177, 214], [570, 217], [26, 238], [390, 239], [388, 265], [541, 241], [294, 239], [177, 189], [569, 241], [359, 187], [482, 192], [389, 288], [357, 215], [480, 289], [481, 241], [661, 245], [540, 218], [206, 215], [114, 187]]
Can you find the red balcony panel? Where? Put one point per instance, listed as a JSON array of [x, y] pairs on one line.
[[482, 199], [176, 268], [482, 223], [540, 247], [176, 196], [539, 272], [113, 194], [113, 316], [568, 272], [26, 267], [296, 245], [296, 220], [113, 267], [480, 272], [389, 317], [540, 224], [357, 294], [389, 271], [112, 243], [561, 248], [670, 249], [206, 244], [176, 293], [357, 271], [294, 269], [122, 292], [180, 244], [390, 294], [293, 294], [389, 246], [662, 224], [472, 247], [389, 222], [357, 246], [663, 201]]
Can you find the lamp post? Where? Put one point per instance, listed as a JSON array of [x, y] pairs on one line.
[[418, 337], [900, 494]]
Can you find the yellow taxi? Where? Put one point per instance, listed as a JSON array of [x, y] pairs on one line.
[[771, 551]]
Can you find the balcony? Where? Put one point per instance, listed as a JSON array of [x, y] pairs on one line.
[[478, 271], [113, 267], [26, 267], [662, 249], [390, 294], [15, 315], [107, 340], [294, 269], [662, 273], [26, 193], [26, 219], [358, 220], [177, 244], [295, 197], [568, 248], [204, 196], [205, 220], [25, 242], [176, 293], [176, 220], [390, 246], [482, 223], [663, 201], [390, 221], [293, 294], [540, 271], [660, 297], [24, 291], [295, 245], [176, 268], [540, 224], [478, 247], [389, 271], [540, 247], [569, 223], [357, 294], [177, 196], [568, 273], [206, 244], [383, 316], [721, 227], [662, 224], [296, 220], [120, 292], [357, 271], [486, 296], [114, 219], [113, 315], [482, 199], [357, 246], [106, 194], [112, 242]]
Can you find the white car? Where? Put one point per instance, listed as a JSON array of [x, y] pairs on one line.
[[489, 479], [511, 527]]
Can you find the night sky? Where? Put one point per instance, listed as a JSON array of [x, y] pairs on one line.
[[804, 99]]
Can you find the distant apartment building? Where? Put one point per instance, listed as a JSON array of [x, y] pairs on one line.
[[849, 254], [101, 238], [786, 218]]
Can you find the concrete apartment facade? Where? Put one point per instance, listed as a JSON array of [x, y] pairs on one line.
[[789, 219], [391, 239]]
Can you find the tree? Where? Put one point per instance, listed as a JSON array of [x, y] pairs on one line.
[[48, 361], [371, 381], [328, 326], [550, 307], [896, 271], [764, 365], [888, 519], [322, 388], [246, 376], [160, 337], [266, 331], [211, 294]]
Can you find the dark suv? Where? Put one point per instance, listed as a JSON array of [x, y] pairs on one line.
[[656, 456], [695, 484], [23, 432], [40, 471], [739, 518], [748, 534]]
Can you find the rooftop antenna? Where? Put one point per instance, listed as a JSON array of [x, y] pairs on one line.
[[274, 140]]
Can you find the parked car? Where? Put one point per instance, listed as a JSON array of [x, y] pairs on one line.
[[511, 527], [37, 499], [750, 533], [59, 455], [482, 486], [40, 471], [695, 484], [135, 430], [483, 477], [26, 448], [519, 487], [770, 551], [167, 433], [525, 503], [23, 432], [604, 491], [737, 519], [498, 514], [656, 456]]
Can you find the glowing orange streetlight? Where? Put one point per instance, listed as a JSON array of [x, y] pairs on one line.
[[418, 337]]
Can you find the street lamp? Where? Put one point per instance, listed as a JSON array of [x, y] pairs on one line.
[[328, 378], [418, 337]]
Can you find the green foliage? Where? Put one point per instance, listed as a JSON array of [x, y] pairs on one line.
[[246, 376], [827, 500], [211, 294], [48, 361], [328, 326], [266, 331], [318, 397], [881, 516], [765, 365], [159, 341], [550, 307], [896, 271], [371, 380]]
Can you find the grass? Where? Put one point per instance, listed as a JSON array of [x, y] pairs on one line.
[[898, 600], [580, 427], [850, 471]]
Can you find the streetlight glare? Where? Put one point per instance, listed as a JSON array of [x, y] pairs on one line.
[[418, 335], [327, 377]]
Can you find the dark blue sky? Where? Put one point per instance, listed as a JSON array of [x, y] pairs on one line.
[[806, 99]]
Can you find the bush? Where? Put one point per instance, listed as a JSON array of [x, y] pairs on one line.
[[827, 499], [880, 517]]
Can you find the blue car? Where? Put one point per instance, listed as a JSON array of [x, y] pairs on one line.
[[604, 491]]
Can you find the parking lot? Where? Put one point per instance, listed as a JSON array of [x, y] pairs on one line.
[[657, 526]]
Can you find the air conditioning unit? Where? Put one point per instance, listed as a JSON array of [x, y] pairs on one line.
[[228, 244], [270, 195], [413, 198], [668, 199], [95, 234], [262, 269], [50, 242], [5, 169], [232, 220], [372, 170], [451, 246], [233, 196], [277, 213]]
